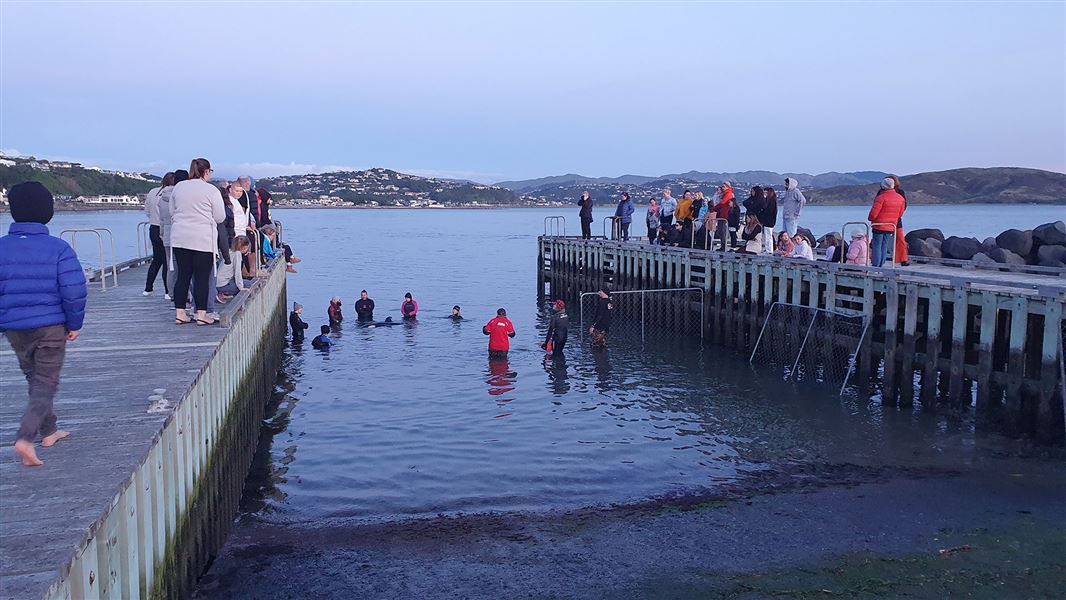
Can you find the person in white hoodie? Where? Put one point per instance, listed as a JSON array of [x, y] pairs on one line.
[[792, 203], [196, 209]]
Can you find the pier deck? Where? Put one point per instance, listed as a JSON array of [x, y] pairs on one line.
[[129, 348]]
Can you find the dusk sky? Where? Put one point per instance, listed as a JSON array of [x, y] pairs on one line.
[[519, 90]]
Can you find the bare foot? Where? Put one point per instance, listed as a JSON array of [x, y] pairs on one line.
[[50, 440], [25, 451]]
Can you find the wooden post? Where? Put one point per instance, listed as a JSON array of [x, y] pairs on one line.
[[930, 366], [891, 325], [910, 323], [958, 340]]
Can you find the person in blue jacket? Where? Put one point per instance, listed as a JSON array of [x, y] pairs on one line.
[[42, 307], [624, 213]]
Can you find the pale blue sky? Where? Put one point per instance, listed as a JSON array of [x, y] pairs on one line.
[[516, 90]]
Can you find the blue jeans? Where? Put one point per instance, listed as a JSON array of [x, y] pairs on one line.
[[791, 224], [879, 247]]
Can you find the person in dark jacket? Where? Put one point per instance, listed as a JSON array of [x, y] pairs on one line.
[[297, 324], [558, 329], [585, 214], [768, 218], [602, 322], [624, 214], [364, 307], [42, 307], [226, 231]]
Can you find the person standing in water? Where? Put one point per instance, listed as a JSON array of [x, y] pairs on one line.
[[364, 307], [336, 316], [409, 308], [602, 323], [558, 329], [499, 330], [296, 323]]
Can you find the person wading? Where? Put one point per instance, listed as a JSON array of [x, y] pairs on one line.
[[42, 307], [602, 323], [499, 330], [558, 329]]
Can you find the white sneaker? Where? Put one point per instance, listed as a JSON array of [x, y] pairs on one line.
[[214, 316], [167, 297], [146, 293]]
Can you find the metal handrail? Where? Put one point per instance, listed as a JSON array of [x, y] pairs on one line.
[[894, 230], [554, 226], [868, 237], [717, 228], [144, 236], [278, 228], [616, 228], [98, 232]]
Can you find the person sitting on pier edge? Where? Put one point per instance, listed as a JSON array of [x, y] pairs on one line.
[[666, 209], [803, 247], [858, 251], [336, 315], [499, 330], [751, 235], [836, 250], [624, 213], [409, 308], [601, 324], [42, 307], [197, 209], [297, 324], [652, 220], [585, 215], [785, 245], [364, 307], [887, 210], [230, 279], [322, 341], [792, 203], [457, 314], [558, 328]]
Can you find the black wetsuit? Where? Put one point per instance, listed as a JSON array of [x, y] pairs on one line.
[[604, 315], [298, 326], [558, 329], [364, 309]]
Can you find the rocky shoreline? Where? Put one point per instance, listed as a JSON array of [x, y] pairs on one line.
[[1044, 246]]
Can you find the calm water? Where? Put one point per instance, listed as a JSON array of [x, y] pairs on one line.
[[414, 420]]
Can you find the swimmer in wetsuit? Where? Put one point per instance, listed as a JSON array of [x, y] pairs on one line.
[[558, 329], [456, 314], [364, 307], [409, 308]]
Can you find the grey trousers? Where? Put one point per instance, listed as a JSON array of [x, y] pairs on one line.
[[40, 353]]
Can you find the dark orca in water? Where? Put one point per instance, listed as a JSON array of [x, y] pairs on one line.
[[388, 322]]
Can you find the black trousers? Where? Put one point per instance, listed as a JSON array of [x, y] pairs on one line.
[[192, 265], [159, 260], [288, 253], [625, 231], [586, 229], [653, 232]]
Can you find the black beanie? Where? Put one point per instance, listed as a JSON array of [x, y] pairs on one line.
[[30, 202]]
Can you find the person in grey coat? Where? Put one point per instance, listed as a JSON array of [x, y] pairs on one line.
[[792, 203]]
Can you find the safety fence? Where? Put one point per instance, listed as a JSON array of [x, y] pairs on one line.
[[647, 313]]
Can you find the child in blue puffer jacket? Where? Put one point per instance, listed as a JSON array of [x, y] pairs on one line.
[[42, 307]]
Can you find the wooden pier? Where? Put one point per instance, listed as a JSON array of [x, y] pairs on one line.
[[945, 333], [164, 422]]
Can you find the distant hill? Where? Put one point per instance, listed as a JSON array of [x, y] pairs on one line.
[[998, 185], [383, 187], [66, 179], [831, 179]]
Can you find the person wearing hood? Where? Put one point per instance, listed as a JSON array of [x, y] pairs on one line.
[[558, 328], [652, 221], [409, 308], [42, 307], [792, 202], [585, 214], [902, 257], [859, 250], [884, 214], [624, 214], [335, 311], [666, 209]]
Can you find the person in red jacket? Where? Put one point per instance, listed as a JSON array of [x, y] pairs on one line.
[[886, 212], [499, 330]]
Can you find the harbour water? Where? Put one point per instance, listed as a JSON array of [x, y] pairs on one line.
[[414, 423]]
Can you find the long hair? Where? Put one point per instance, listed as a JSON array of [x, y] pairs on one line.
[[756, 192], [168, 180], [770, 194], [198, 168]]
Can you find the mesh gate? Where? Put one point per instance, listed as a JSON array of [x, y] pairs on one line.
[[810, 344], [649, 313]]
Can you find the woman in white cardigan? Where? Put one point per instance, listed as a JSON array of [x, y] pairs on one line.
[[196, 209]]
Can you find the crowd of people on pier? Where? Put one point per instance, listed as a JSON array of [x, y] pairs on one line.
[[208, 240], [719, 222]]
